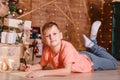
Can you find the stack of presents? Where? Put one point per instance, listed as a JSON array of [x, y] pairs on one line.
[[16, 47]]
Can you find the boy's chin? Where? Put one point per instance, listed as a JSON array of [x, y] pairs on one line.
[[53, 45]]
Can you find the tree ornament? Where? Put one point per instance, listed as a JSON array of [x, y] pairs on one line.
[[13, 1], [20, 11], [13, 14]]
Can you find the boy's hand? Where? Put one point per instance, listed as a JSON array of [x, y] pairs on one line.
[[28, 67], [25, 67], [35, 74]]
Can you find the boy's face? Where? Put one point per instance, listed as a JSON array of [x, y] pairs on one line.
[[52, 36]]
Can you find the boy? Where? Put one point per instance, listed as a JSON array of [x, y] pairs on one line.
[[64, 58]]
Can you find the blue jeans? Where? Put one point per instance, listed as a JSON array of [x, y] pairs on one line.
[[101, 59]]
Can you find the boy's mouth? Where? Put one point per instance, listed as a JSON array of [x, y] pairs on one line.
[[52, 41]]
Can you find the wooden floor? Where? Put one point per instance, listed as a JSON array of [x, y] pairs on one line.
[[97, 75]]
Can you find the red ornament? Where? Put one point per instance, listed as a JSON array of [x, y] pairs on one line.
[[13, 14]]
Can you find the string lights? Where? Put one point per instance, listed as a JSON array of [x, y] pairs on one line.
[[104, 13]]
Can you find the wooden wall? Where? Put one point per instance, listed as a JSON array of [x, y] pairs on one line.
[[74, 18], [26, 5], [70, 15], [103, 13]]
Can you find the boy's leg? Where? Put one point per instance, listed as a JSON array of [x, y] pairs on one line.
[[99, 56], [93, 34], [101, 63], [101, 59], [100, 51], [96, 50]]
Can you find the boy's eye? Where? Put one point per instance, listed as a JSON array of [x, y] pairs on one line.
[[54, 33], [46, 35]]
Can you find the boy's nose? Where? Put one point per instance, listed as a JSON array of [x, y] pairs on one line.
[[51, 36]]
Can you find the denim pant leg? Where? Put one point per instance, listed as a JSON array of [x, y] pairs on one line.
[[101, 59]]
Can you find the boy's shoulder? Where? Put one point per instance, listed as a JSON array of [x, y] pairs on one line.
[[66, 43], [67, 47]]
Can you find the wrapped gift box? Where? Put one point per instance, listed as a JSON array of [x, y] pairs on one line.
[[10, 56], [8, 37], [26, 24], [12, 22]]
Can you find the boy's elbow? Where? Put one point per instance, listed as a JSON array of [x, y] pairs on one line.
[[68, 72]]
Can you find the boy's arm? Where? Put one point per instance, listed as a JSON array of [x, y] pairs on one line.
[[33, 67], [56, 72]]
